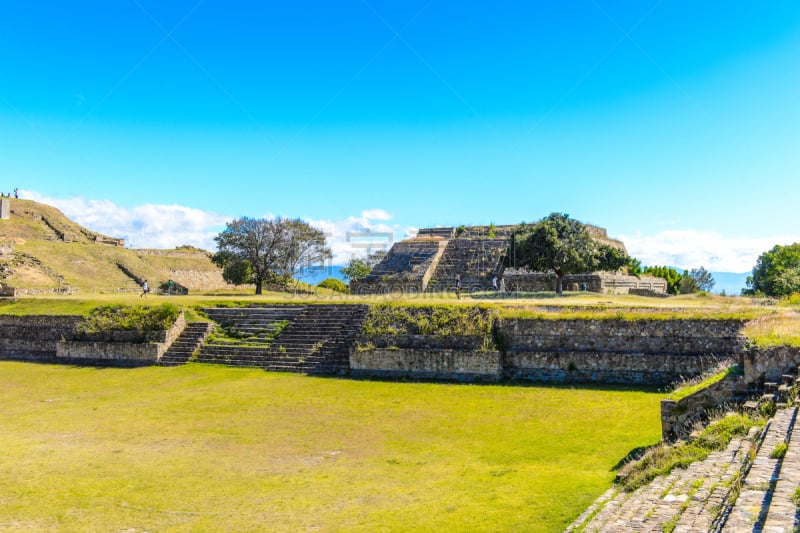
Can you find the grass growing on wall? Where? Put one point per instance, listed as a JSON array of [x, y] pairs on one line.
[[775, 329], [436, 321], [662, 459], [690, 388], [207, 448], [129, 318]]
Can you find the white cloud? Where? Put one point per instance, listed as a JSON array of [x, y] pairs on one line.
[[355, 236], [376, 214], [168, 226], [689, 249], [144, 226]]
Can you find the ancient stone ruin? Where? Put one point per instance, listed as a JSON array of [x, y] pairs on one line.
[[430, 261]]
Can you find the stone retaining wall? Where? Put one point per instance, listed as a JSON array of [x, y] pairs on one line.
[[429, 342], [644, 352], [678, 336], [603, 282], [451, 365], [605, 367], [648, 351], [121, 353], [33, 338], [110, 353], [679, 417], [768, 364]]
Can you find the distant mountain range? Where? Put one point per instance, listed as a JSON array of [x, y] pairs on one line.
[[731, 282]]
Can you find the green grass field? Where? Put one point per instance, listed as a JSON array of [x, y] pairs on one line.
[[206, 448]]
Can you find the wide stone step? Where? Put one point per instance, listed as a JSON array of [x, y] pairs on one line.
[[184, 346], [317, 338], [782, 514], [750, 508], [685, 499]]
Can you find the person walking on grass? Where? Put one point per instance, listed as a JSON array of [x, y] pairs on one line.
[[145, 290], [458, 286]]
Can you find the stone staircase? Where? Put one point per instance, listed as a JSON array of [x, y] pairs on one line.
[[685, 499], [318, 341], [129, 286], [250, 332], [185, 345], [313, 339], [254, 325], [408, 266], [475, 260], [748, 487], [764, 503]]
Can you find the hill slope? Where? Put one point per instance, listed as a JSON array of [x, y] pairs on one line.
[[41, 250]]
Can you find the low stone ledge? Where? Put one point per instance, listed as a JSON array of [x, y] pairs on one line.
[[448, 365], [38, 321], [679, 417], [121, 353], [424, 342], [113, 353]]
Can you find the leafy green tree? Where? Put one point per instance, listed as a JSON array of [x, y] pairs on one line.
[[634, 267], [360, 267], [333, 284], [260, 250], [682, 283], [703, 279], [237, 272], [777, 272], [305, 246], [562, 245], [611, 258], [687, 284], [672, 276], [357, 268]]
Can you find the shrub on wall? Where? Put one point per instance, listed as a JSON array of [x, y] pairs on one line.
[[439, 321], [138, 318]]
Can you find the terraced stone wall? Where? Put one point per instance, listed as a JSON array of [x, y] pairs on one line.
[[34, 338], [439, 364], [603, 282], [120, 353], [652, 352], [645, 352]]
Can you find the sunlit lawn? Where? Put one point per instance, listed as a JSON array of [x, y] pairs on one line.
[[206, 448]]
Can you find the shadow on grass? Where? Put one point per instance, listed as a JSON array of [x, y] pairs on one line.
[[633, 455], [516, 383]]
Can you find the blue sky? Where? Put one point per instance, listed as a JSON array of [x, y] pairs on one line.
[[674, 124]]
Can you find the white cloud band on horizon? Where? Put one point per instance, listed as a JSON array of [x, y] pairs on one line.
[[169, 226], [357, 236], [143, 226], [687, 249]]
